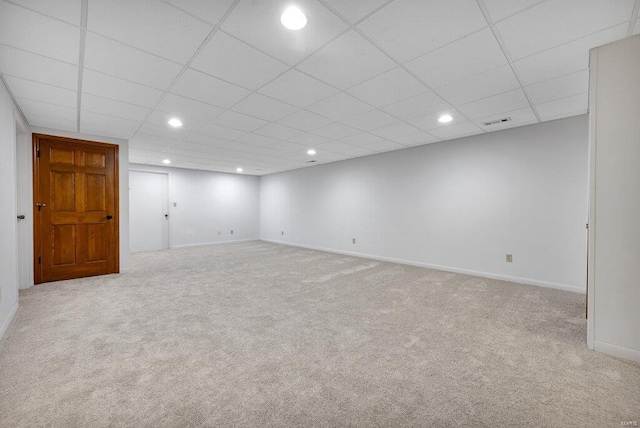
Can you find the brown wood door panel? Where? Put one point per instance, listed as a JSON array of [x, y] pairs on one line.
[[76, 228]]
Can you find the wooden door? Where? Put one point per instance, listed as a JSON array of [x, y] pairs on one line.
[[76, 208]]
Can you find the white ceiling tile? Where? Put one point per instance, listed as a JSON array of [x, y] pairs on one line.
[[105, 86], [281, 132], [50, 122], [430, 121], [236, 62], [371, 120], [497, 104], [361, 139], [519, 117], [124, 127], [340, 106], [305, 120], [145, 142], [355, 10], [262, 107], [410, 28], [396, 130], [36, 91], [182, 107], [310, 140], [27, 30], [148, 25], [239, 148], [222, 132], [109, 107], [565, 59], [456, 130], [419, 105], [64, 10], [388, 88], [119, 60], [258, 24], [336, 131], [268, 142], [501, 9], [104, 131], [49, 110], [344, 148], [346, 61], [163, 131], [240, 121], [202, 87], [560, 87], [474, 54], [298, 89], [482, 85], [384, 146], [194, 140], [26, 65], [298, 156], [210, 11], [416, 139], [555, 22], [564, 107]]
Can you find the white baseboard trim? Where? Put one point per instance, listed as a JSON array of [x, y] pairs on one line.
[[5, 326], [617, 351], [528, 281], [207, 244]]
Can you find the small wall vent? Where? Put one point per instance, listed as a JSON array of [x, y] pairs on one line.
[[495, 122]]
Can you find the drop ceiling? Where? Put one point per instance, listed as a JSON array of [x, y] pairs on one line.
[[363, 77]]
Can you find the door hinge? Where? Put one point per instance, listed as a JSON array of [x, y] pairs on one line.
[[38, 153], [39, 260]]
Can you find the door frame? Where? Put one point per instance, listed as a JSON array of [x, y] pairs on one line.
[[37, 242]]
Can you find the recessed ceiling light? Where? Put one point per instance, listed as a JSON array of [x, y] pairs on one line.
[[311, 152], [445, 118], [293, 18], [175, 122], [239, 169], [166, 161]]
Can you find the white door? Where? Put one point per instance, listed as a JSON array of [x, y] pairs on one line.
[[148, 211], [24, 210]]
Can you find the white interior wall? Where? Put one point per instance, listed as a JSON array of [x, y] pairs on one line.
[[8, 220], [459, 205], [208, 202], [614, 271], [123, 177]]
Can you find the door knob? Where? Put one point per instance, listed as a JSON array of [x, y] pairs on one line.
[[21, 217], [109, 217]]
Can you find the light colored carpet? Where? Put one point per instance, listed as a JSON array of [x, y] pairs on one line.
[[257, 334]]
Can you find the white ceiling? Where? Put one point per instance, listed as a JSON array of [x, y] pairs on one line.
[[363, 77]]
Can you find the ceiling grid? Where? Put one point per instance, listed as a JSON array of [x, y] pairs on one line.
[[362, 77]]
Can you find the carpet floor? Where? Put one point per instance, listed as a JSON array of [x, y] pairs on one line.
[[258, 334]]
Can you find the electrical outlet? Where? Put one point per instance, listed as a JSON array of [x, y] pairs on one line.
[[175, 204], [232, 231], [353, 240], [282, 233], [219, 233], [509, 258]]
